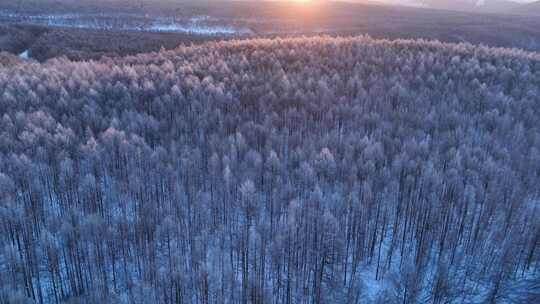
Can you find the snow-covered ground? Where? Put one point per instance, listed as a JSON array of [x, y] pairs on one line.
[[24, 55], [198, 25], [196, 29]]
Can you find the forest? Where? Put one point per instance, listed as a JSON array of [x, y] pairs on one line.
[[83, 30], [294, 170]]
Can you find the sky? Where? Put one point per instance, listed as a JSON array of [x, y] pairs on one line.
[[413, 1], [416, 1], [419, 2]]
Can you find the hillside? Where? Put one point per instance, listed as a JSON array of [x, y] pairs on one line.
[[485, 6], [531, 9], [324, 170], [498, 7]]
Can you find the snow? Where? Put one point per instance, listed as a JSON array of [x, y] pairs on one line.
[[195, 29], [24, 55], [371, 286], [198, 25], [197, 19]]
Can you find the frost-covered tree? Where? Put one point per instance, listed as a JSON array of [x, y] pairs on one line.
[[355, 170]]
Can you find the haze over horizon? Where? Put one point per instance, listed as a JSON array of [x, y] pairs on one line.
[[479, 6], [417, 1]]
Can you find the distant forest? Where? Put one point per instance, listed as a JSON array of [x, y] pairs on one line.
[[301, 170], [24, 26]]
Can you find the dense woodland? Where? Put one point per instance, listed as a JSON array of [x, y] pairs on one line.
[[43, 43], [86, 44], [305, 170], [17, 38]]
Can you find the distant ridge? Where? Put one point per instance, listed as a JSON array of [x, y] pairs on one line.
[[478, 6], [532, 9]]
